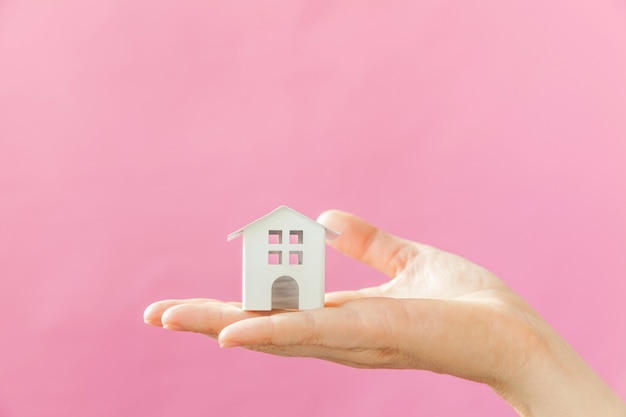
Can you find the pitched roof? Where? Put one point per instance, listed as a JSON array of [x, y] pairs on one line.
[[330, 234]]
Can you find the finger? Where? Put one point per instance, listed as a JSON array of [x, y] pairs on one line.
[[152, 314], [333, 299], [387, 333], [361, 333], [360, 240], [341, 297], [332, 327], [359, 358], [208, 318]]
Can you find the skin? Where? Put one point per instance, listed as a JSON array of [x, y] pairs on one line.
[[438, 312]]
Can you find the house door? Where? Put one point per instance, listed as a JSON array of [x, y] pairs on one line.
[[285, 293]]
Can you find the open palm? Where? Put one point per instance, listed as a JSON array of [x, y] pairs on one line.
[[438, 312]]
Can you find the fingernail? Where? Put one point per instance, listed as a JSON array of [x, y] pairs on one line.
[[226, 344], [174, 327]]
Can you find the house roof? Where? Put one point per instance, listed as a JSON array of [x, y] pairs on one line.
[[330, 234]]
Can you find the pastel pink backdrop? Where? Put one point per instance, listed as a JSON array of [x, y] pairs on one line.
[[134, 135]]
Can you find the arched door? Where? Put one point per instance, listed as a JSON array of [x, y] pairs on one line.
[[285, 293]]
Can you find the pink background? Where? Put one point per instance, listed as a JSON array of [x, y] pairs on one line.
[[134, 135]]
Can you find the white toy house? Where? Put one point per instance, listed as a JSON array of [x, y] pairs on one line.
[[283, 261]]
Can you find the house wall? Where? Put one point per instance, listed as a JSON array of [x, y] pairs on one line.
[[258, 275]]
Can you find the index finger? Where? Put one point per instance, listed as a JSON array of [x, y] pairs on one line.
[[331, 326]]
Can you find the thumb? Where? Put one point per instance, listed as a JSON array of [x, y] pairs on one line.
[[360, 240]]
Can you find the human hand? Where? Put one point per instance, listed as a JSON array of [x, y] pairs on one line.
[[439, 312]]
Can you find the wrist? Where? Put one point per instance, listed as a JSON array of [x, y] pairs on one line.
[[555, 381]]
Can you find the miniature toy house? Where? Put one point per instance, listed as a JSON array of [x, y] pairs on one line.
[[283, 261]]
